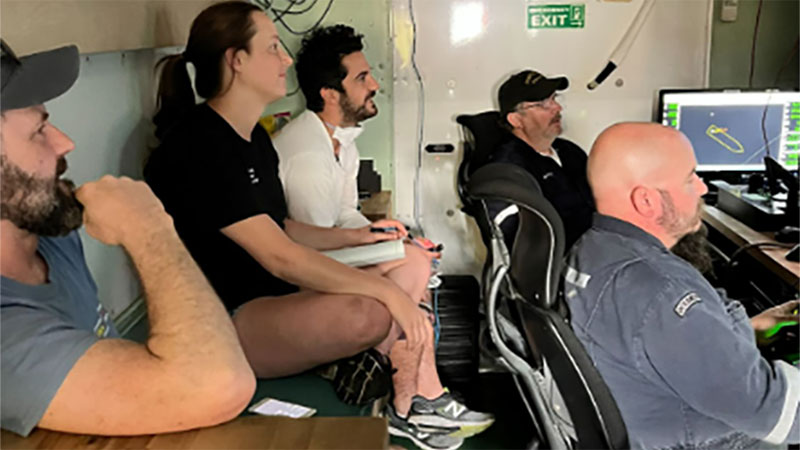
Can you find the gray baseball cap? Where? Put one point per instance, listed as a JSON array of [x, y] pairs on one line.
[[36, 78]]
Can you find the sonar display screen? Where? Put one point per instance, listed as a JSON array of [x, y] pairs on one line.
[[725, 128]]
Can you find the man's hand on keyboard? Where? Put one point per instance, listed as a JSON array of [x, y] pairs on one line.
[[768, 318]]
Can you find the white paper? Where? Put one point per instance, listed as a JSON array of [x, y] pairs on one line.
[[272, 407]]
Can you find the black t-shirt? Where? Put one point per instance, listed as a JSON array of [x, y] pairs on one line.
[[564, 186], [208, 177]]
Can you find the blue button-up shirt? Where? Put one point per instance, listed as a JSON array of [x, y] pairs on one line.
[[678, 356]]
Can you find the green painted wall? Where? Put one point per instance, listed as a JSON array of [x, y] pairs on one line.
[[370, 18], [731, 43]]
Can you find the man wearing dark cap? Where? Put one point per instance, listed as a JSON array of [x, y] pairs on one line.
[[530, 110], [63, 365]]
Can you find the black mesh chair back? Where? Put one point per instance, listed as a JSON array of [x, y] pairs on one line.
[[527, 279], [482, 134]]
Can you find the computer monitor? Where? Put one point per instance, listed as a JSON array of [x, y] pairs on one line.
[[725, 127]]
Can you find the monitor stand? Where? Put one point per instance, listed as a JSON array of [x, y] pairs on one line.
[[753, 210]]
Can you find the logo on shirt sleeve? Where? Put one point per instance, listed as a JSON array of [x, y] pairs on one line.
[[685, 303]]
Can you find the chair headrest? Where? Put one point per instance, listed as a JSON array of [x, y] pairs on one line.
[[537, 255], [486, 133], [507, 182]]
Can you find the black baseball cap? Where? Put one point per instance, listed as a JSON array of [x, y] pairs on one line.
[[527, 86], [36, 78]]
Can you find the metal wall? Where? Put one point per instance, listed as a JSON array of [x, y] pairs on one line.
[[466, 48]]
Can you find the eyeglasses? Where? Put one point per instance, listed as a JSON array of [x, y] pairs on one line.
[[547, 104]]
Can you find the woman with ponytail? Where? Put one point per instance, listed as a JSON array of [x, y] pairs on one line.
[[216, 172]]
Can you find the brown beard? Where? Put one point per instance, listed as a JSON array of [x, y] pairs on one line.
[[43, 206], [356, 114]]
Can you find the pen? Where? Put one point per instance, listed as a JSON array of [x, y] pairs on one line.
[[382, 229]]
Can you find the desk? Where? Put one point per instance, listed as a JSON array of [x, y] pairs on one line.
[[245, 432], [740, 234]]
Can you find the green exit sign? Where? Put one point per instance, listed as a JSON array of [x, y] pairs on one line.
[[556, 16]]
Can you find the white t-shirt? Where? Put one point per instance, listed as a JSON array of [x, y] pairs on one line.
[[319, 189], [554, 156]]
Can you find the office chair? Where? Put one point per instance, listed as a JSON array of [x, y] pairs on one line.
[[482, 134], [569, 404]]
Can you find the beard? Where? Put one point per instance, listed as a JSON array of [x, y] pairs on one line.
[[357, 114], [693, 248], [42, 206], [672, 222]]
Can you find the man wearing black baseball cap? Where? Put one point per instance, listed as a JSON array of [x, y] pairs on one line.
[[530, 110], [63, 365]]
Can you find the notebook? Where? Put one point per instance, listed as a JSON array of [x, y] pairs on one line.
[[366, 255]]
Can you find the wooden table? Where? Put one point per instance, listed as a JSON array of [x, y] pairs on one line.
[[252, 432], [772, 258]]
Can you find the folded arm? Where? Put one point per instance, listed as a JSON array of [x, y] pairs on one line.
[[191, 372]]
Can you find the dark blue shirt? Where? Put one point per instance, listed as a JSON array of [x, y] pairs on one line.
[[678, 356]]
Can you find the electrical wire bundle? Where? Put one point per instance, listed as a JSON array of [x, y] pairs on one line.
[[420, 122]]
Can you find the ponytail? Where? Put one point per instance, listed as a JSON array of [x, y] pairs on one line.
[[175, 93], [219, 27]]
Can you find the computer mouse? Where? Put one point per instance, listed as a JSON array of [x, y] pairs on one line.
[[788, 234], [781, 342]]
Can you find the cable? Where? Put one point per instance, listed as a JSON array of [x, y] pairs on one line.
[[764, 126], [301, 11], [756, 245], [421, 122], [264, 4], [279, 14], [280, 20], [437, 327], [792, 53], [753, 49]]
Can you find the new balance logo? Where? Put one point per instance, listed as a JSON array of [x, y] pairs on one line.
[[455, 409]]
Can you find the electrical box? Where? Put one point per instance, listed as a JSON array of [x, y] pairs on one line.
[[729, 10]]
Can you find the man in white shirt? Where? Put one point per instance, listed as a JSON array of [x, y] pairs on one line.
[[318, 167], [318, 154]]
